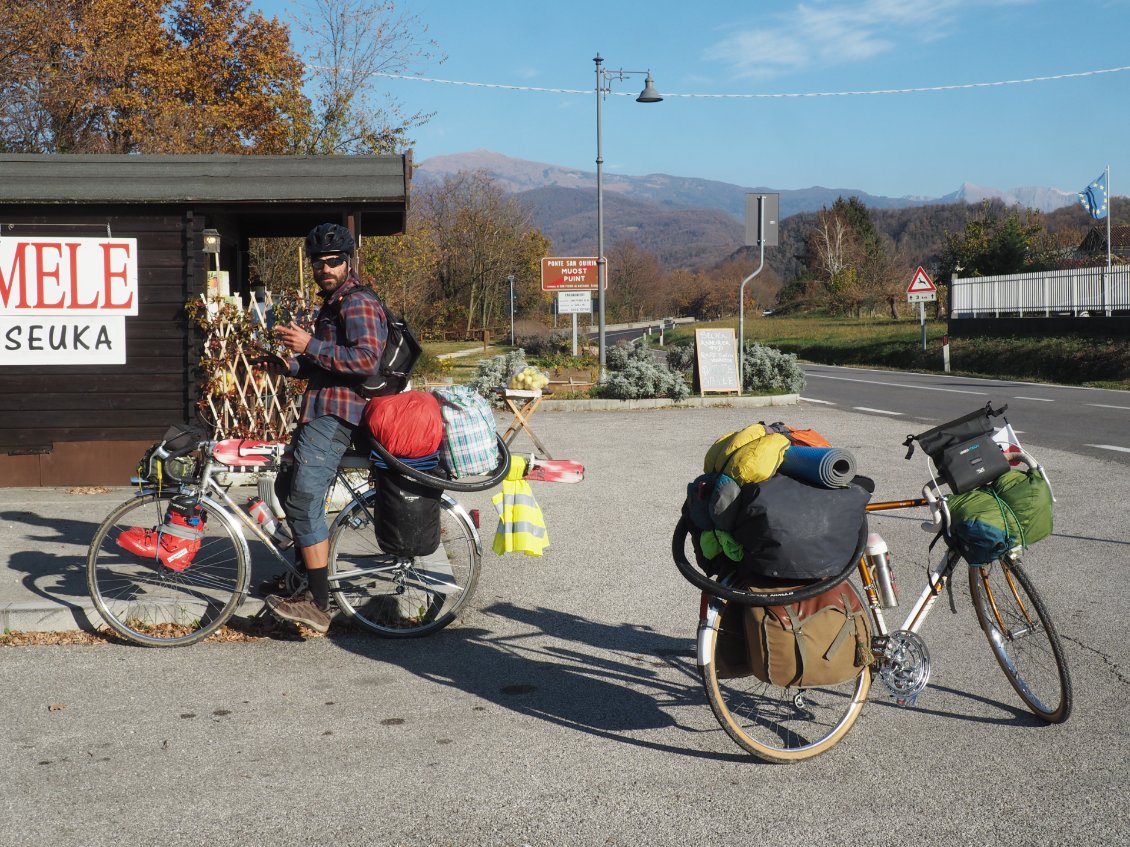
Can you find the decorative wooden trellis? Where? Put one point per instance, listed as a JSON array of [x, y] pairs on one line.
[[241, 400]]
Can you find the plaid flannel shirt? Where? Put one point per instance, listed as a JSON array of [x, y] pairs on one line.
[[343, 351]]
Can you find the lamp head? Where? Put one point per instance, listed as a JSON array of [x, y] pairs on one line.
[[211, 241], [649, 93]]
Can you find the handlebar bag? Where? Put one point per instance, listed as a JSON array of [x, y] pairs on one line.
[[793, 530]]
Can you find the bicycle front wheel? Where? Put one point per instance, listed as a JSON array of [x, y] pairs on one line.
[[400, 597], [155, 604], [1020, 631], [779, 724]]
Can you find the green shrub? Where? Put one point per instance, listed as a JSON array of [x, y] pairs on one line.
[[618, 356], [681, 357], [635, 374], [769, 370]]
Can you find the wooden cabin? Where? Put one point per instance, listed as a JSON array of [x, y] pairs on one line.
[[80, 406]]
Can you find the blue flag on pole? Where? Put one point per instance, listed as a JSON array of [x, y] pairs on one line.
[[1093, 197]]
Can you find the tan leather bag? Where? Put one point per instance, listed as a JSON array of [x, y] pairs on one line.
[[825, 640]]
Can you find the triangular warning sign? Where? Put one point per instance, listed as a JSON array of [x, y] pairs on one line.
[[921, 282]]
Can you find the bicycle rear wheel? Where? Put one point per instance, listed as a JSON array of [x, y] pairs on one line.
[[399, 597], [157, 606], [781, 724], [1020, 631]]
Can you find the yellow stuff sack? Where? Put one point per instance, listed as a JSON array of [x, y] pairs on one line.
[[758, 460], [724, 447]]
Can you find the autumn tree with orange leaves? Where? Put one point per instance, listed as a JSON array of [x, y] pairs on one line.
[[152, 76]]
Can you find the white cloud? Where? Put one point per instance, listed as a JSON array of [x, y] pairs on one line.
[[825, 33]]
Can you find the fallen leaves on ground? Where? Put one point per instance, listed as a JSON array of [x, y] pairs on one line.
[[237, 630]]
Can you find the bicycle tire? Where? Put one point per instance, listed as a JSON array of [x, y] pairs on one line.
[[1027, 649], [782, 725], [432, 481], [149, 604], [397, 597], [715, 588]]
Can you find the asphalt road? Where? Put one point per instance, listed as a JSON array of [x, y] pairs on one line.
[[565, 709], [1087, 421]]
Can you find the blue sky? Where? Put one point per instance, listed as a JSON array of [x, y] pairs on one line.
[[1059, 133]]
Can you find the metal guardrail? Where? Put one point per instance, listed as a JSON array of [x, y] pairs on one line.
[[1049, 293]]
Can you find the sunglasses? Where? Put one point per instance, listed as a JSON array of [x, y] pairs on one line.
[[329, 261]]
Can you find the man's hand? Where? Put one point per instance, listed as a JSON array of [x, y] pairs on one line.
[[272, 363], [293, 336]]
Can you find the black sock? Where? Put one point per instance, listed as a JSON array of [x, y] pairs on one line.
[[319, 583]]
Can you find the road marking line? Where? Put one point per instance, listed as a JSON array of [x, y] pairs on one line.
[[1037, 399], [811, 400], [876, 411], [899, 385], [1110, 447], [1104, 406]]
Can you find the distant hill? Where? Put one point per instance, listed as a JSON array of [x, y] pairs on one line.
[[694, 223], [519, 175], [684, 237]]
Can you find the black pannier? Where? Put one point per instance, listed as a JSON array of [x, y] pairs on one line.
[[796, 531], [407, 515]]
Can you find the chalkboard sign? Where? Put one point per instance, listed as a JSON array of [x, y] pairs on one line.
[[716, 360]]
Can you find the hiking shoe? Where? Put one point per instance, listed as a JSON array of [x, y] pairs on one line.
[[300, 609]]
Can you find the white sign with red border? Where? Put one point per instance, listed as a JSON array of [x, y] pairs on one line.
[[921, 288]]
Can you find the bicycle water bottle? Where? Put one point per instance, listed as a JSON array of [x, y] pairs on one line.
[[270, 524], [878, 558]]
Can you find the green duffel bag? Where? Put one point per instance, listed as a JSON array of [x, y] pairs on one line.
[[1028, 495], [1015, 511]]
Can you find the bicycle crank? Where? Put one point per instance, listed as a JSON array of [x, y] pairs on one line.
[[904, 665]]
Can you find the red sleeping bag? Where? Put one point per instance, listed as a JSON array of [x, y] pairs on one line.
[[409, 425]]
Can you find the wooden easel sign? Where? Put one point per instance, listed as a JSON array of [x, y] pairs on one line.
[[716, 361]]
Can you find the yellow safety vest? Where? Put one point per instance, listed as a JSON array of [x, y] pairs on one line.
[[521, 525]]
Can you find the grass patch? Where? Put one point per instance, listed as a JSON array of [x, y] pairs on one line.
[[897, 345]]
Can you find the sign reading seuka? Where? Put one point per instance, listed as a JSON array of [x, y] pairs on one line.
[[64, 301]]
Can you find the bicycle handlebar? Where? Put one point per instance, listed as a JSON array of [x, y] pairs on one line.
[[755, 598]]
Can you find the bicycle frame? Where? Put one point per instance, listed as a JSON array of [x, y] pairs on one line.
[[938, 576], [213, 495]]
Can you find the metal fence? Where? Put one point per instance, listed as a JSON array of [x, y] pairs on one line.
[[1048, 293]]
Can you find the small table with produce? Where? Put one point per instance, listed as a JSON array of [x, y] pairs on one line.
[[523, 403]]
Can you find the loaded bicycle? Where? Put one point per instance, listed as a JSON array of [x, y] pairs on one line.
[[789, 722], [194, 567]]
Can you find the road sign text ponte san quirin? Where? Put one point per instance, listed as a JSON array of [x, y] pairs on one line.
[[570, 273]]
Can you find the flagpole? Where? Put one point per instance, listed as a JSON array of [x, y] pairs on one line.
[[1109, 213]]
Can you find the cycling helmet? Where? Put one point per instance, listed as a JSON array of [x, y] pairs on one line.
[[329, 238]]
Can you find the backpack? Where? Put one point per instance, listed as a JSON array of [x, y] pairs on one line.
[[825, 640], [402, 351]]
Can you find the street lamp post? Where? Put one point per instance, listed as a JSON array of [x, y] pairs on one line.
[[510, 278], [648, 95]]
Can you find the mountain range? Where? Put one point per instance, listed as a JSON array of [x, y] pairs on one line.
[[520, 175], [686, 221]]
